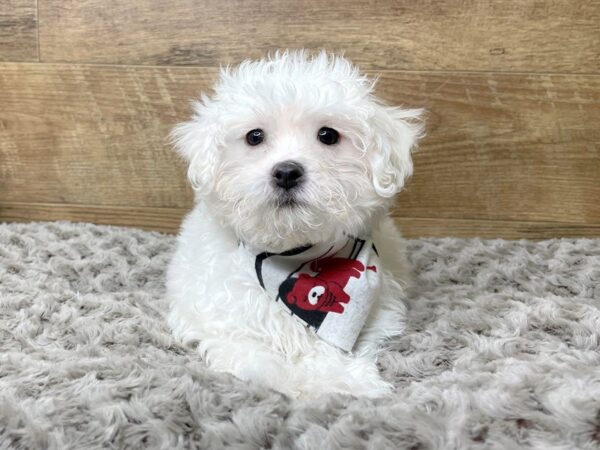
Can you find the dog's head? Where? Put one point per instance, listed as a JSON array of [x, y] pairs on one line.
[[295, 149]]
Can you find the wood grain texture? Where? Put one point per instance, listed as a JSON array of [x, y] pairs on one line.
[[168, 220], [93, 135], [500, 146], [494, 229], [511, 35], [18, 30], [503, 147]]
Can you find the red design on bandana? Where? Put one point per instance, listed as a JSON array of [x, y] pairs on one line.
[[325, 290]]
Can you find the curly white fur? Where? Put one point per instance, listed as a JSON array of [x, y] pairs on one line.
[[348, 190]]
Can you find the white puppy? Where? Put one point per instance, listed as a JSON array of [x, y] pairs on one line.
[[293, 154]]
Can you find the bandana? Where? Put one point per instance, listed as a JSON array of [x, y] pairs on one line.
[[328, 288]]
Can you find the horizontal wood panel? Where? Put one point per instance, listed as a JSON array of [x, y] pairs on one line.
[[168, 220], [80, 134], [491, 229], [499, 146], [18, 30], [511, 35], [503, 147]]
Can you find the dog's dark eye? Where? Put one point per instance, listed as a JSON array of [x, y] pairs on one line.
[[328, 136], [255, 137]]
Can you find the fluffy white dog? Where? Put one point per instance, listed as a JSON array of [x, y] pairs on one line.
[[292, 155]]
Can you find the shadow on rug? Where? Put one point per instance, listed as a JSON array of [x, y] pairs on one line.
[[502, 351]]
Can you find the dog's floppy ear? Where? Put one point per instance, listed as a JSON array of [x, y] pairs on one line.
[[395, 133], [196, 142]]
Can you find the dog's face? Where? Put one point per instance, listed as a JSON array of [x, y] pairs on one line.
[[296, 150]]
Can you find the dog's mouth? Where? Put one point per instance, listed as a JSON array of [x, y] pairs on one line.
[[287, 201]]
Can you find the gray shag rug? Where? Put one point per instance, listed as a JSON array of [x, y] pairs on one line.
[[502, 351]]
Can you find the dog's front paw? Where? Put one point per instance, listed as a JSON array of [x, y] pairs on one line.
[[316, 377], [260, 367], [266, 372], [373, 388]]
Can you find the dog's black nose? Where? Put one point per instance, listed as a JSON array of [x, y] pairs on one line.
[[288, 174]]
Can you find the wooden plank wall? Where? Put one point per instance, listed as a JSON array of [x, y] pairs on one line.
[[90, 88]]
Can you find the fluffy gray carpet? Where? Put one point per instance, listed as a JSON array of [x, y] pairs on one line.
[[502, 351]]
